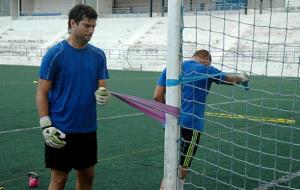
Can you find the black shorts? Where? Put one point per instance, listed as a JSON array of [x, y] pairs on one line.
[[188, 146], [80, 152]]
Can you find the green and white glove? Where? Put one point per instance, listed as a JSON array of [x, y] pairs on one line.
[[53, 137], [102, 96], [244, 77], [244, 80]]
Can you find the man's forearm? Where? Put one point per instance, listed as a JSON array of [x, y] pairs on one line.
[[42, 104], [231, 80]]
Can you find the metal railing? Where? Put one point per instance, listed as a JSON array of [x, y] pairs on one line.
[[143, 9], [159, 53], [34, 13]]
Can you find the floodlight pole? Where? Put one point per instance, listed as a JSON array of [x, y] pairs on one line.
[[162, 8], [171, 174], [246, 7], [151, 8]]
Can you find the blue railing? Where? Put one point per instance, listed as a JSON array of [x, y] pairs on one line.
[[40, 13]]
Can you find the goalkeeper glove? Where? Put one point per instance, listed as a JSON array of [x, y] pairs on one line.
[[244, 77], [53, 137], [102, 96]]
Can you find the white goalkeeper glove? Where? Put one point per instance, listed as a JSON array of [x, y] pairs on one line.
[[244, 77], [53, 137], [102, 96]]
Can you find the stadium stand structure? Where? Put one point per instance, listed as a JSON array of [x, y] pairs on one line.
[[269, 45], [117, 36], [239, 38], [23, 42], [141, 43]]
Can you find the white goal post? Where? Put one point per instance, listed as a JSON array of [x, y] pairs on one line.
[[172, 96]]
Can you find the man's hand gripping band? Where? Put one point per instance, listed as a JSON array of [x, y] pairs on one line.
[[244, 79], [102, 96]]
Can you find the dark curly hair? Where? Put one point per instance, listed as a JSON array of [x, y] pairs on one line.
[[81, 11]]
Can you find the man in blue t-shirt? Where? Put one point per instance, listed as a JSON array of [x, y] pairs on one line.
[[72, 80], [193, 98]]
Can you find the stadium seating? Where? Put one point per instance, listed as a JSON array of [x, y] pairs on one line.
[[134, 43]]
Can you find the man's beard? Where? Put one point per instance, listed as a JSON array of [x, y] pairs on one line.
[[83, 39]]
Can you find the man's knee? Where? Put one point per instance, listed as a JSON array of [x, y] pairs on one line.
[[86, 175], [58, 179]]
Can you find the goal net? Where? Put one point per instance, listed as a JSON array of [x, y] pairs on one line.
[[251, 138]]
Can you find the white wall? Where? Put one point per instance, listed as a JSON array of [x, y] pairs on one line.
[[4, 8], [27, 5], [14, 8], [266, 3], [92, 3], [104, 6], [62, 6]]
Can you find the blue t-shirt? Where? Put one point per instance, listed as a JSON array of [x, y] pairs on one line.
[[194, 93], [74, 74]]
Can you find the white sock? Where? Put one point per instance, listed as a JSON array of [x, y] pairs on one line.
[[181, 184], [162, 184]]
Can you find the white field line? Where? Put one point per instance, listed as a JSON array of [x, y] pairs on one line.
[[266, 186], [102, 118], [276, 182]]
